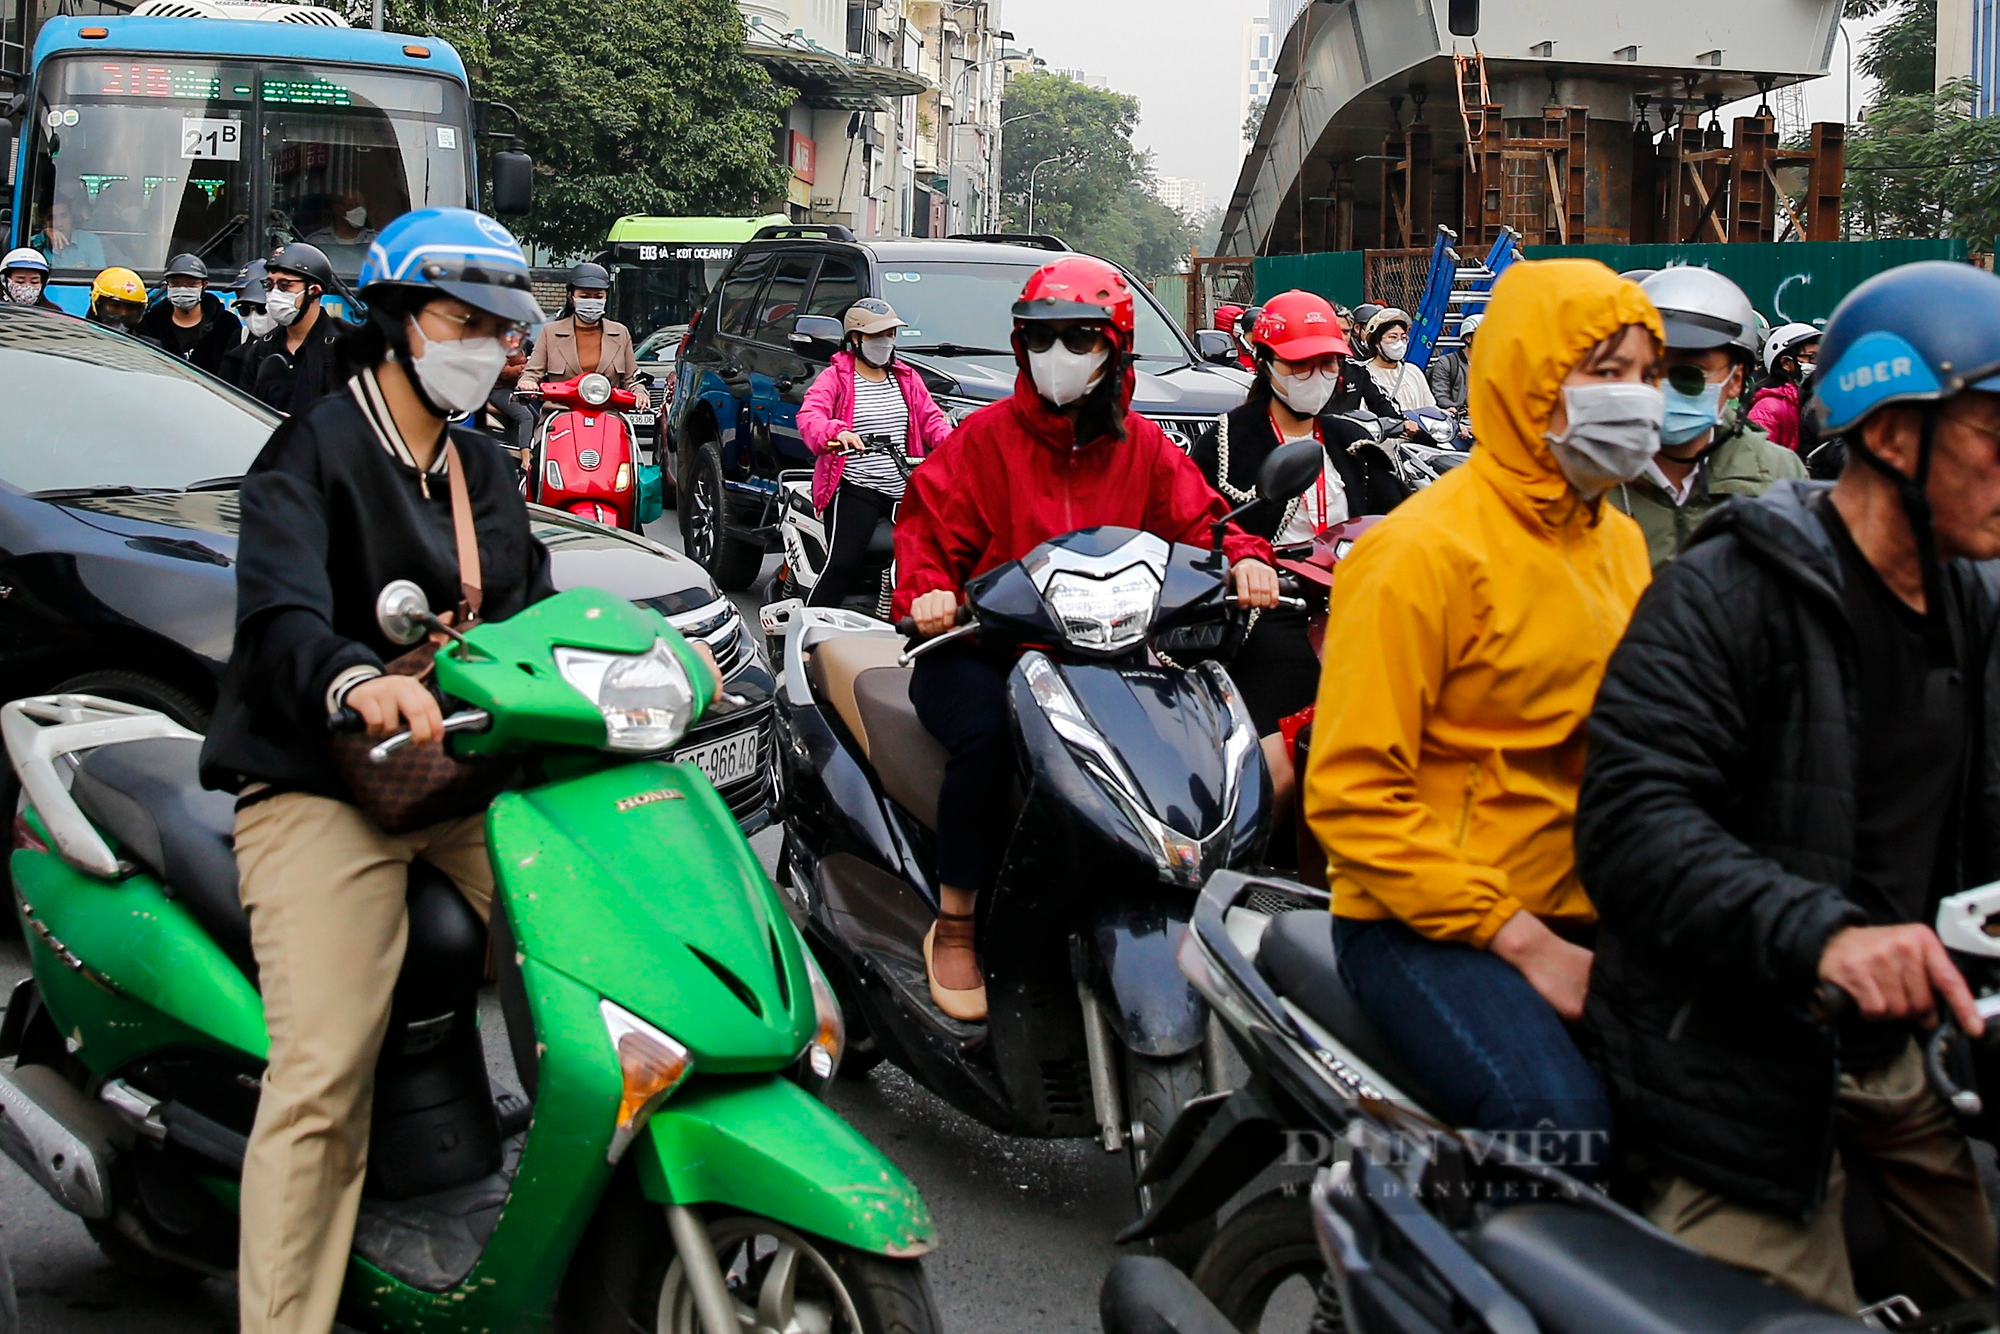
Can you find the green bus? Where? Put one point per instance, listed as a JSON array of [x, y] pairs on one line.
[[663, 269]]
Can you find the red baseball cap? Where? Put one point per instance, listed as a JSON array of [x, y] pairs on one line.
[[1299, 326]]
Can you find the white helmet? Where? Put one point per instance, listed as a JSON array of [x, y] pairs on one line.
[[1785, 340], [1470, 325], [1703, 309], [24, 257]]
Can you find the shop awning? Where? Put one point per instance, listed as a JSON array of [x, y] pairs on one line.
[[834, 83]]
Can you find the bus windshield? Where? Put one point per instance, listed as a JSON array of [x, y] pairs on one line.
[[661, 286], [141, 159]]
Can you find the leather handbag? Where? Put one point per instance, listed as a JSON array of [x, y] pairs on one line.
[[422, 785]]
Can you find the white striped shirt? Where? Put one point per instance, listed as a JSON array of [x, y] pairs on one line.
[[879, 409]]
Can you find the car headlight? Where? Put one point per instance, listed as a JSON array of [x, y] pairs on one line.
[[594, 389], [1104, 615], [646, 698], [820, 1058], [958, 409], [650, 1066]]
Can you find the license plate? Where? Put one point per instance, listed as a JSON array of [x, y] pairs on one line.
[[730, 760]]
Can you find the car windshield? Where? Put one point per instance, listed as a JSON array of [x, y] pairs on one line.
[[91, 409], [136, 162], [972, 305], [661, 344]]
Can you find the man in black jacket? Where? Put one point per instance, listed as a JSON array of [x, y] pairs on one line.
[[189, 320], [298, 362], [1793, 756]]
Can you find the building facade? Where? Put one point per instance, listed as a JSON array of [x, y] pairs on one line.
[[1260, 63], [1185, 197], [1969, 47]]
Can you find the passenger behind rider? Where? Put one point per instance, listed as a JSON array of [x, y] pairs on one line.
[[865, 391], [1791, 760], [1708, 452], [1466, 637], [24, 279], [352, 493], [1301, 358], [580, 340], [1789, 354], [1066, 451]]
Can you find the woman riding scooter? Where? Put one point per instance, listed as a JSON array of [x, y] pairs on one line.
[[1301, 360], [1064, 452], [359, 489], [580, 340], [865, 392]]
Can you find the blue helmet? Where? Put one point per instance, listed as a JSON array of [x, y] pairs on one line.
[[455, 252], [1921, 333]]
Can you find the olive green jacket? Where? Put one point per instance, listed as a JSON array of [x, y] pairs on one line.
[[1744, 464]]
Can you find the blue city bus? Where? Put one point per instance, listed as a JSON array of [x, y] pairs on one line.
[[147, 136]]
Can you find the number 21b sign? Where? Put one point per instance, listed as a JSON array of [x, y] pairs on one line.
[[202, 137]]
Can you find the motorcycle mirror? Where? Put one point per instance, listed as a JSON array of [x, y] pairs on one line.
[[818, 329], [1216, 346], [403, 612], [1144, 1294], [1289, 470], [513, 184]]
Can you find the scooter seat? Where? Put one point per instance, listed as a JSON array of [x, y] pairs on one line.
[[1297, 958], [870, 694], [1580, 1271], [147, 795]]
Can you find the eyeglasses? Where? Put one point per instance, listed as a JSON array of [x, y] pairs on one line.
[[1689, 379], [1078, 338], [489, 326]]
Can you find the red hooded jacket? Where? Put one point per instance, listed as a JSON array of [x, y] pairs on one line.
[[1012, 476]]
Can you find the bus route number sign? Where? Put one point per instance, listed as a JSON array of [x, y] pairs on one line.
[[202, 137]]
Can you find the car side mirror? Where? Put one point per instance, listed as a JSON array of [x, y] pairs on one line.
[[809, 329], [1288, 470], [1216, 346], [513, 184]]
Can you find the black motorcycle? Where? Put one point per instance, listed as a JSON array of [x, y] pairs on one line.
[[1139, 778]]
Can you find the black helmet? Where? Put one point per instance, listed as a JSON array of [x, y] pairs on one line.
[[304, 261], [251, 284], [593, 276], [187, 266]]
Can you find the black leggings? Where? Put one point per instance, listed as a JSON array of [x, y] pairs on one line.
[[851, 517], [961, 699]]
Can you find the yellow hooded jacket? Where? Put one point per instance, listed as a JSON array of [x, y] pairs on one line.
[[1467, 636]]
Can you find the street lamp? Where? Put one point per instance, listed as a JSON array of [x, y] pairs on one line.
[[991, 222], [1035, 171]]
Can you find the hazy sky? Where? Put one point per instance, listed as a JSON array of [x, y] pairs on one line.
[[1183, 60]]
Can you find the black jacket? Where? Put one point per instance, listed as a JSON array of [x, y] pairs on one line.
[[218, 334], [329, 517], [1371, 483], [1715, 835], [316, 370], [1358, 392]]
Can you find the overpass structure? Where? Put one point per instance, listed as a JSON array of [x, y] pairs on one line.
[[1568, 121]]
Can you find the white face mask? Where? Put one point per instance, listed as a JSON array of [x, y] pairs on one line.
[[1613, 433], [1062, 376], [457, 376], [23, 291], [356, 217], [184, 298], [1306, 394], [284, 307], [879, 350], [590, 309], [1395, 349], [260, 323]]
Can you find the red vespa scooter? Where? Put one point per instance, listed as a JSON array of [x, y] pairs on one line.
[[584, 458]]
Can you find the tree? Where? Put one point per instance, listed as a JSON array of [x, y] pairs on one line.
[[628, 106], [1253, 119], [1091, 186], [1920, 163]]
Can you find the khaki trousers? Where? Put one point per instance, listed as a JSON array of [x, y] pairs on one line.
[[324, 888], [1892, 1129]]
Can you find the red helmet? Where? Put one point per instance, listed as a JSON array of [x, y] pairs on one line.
[[1078, 287], [1298, 326], [1225, 317]]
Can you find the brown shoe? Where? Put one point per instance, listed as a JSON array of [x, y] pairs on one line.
[[957, 985]]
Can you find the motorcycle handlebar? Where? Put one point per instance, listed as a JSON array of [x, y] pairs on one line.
[[345, 720]]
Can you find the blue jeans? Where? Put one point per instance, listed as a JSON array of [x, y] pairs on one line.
[[1483, 1040]]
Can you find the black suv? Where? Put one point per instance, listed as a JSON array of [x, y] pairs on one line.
[[746, 366]]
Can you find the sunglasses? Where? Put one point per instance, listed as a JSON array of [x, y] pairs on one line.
[[1686, 379], [1079, 339]]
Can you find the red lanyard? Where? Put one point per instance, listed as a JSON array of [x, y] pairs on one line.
[[1324, 504]]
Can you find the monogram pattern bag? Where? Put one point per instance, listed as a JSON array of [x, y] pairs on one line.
[[421, 785]]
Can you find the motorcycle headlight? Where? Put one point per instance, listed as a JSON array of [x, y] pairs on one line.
[[594, 389], [650, 1066], [646, 698], [624, 482], [1104, 615], [820, 1057]]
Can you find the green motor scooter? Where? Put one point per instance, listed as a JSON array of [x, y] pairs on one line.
[[666, 1166]]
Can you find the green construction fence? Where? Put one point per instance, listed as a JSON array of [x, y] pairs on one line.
[[1789, 281]]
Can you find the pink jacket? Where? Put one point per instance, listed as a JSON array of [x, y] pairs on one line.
[[829, 409], [1775, 412]]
